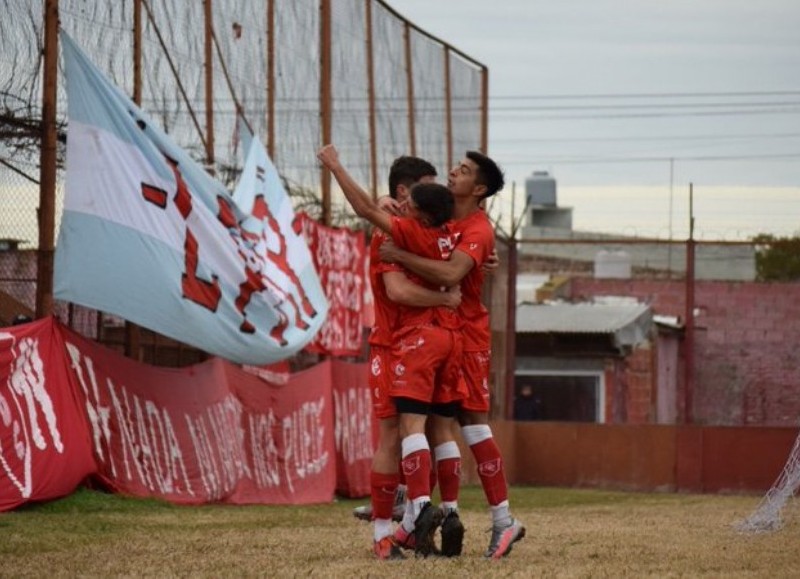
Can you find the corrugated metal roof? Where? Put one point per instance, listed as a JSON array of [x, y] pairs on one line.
[[628, 322]]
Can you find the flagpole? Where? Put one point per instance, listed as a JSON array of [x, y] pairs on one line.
[[47, 187]]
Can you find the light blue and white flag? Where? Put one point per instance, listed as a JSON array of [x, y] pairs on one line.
[[148, 235]]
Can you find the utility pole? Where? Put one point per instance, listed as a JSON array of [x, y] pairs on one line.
[[689, 323], [669, 247], [47, 180]]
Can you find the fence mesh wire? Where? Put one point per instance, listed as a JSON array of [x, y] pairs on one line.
[[768, 516], [173, 92]]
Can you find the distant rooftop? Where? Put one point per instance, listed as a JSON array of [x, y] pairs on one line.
[[629, 323]]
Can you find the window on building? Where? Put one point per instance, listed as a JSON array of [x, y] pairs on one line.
[[568, 398]]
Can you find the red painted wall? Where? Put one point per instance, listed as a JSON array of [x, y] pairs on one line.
[[640, 457]]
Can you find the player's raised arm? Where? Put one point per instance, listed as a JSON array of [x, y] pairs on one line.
[[359, 200]]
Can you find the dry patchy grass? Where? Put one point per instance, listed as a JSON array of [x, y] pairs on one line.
[[571, 533]]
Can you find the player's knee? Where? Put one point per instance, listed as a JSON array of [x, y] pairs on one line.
[[467, 418]]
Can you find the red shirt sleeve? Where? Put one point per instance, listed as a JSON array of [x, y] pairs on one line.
[[376, 264], [477, 241]]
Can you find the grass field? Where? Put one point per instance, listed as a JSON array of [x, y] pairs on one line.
[[571, 533]]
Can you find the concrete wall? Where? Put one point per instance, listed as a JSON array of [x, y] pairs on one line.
[[713, 261], [640, 457]]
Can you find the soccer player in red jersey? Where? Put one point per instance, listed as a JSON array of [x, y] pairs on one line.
[[391, 286], [471, 181], [426, 356]]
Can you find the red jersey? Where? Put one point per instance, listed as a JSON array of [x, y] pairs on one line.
[[476, 239], [433, 243], [385, 309]]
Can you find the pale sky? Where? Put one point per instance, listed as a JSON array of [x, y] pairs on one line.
[[713, 85]]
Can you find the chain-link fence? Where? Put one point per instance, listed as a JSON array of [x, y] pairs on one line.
[[387, 88]]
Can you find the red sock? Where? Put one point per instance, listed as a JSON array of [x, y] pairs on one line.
[[383, 487], [490, 470], [449, 473], [417, 470]]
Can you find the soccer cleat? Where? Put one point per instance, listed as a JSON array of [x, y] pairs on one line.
[[403, 538], [386, 549], [452, 534], [364, 512], [425, 526], [503, 539]]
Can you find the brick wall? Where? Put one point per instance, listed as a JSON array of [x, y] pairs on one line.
[[629, 384], [639, 374], [747, 346]]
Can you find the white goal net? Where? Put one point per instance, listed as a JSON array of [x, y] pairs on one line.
[[767, 516]]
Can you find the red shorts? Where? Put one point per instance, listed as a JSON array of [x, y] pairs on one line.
[[380, 381], [427, 365], [476, 375]]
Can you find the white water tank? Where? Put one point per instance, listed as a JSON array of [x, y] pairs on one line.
[[612, 264], [540, 189]]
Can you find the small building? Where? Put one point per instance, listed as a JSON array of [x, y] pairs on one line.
[[587, 362]]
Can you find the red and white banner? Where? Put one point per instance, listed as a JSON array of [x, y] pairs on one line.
[[208, 433], [339, 256], [44, 439], [213, 432], [356, 429]]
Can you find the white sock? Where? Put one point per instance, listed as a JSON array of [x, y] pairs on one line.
[[381, 528], [413, 443], [449, 506], [408, 516], [501, 515], [475, 433], [447, 450], [419, 502]]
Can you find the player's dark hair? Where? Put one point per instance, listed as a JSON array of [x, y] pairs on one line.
[[435, 201], [407, 170], [489, 174]]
